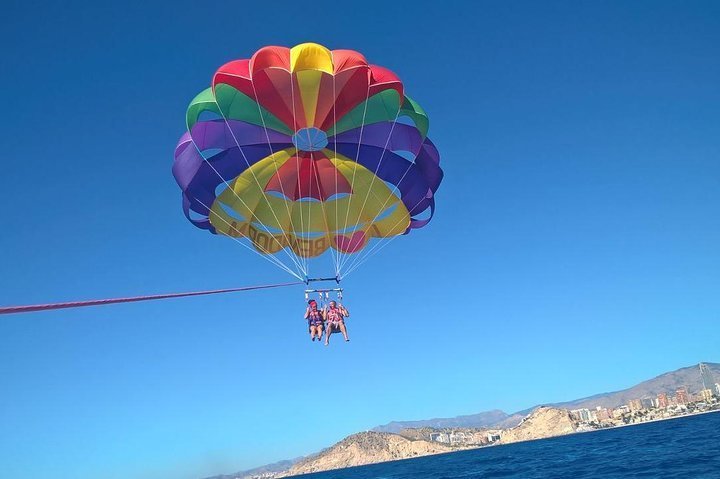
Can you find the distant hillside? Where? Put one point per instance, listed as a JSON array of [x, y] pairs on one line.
[[668, 383], [543, 422], [366, 448], [267, 469], [373, 447], [479, 420], [509, 422], [384, 444]]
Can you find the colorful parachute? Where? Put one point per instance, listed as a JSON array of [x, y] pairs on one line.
[[305, 150]]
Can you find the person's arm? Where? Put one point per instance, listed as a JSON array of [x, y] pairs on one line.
[[324, 313], [345, 312], [307, 313]]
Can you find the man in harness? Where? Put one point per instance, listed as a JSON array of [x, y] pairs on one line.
[[315, 319], [335, 320]]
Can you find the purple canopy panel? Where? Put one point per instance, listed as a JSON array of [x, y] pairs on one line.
[[199, 177], [414, 224], [187, 161], [200, 223], [411, 180], [390, 135], [428, 160], [224, 135]]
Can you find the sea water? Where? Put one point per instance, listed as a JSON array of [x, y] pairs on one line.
[[686, 447]]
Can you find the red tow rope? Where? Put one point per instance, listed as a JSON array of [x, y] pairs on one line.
[[134, 299]]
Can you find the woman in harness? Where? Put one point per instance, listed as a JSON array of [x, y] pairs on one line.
[[315, 319], [335, 316]]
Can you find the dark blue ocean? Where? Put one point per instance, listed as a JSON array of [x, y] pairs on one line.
[[687, 448]]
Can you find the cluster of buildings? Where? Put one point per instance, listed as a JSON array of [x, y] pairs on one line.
[[465, 438], [651, 408]]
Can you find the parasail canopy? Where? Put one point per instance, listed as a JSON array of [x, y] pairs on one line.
[[302, 151]]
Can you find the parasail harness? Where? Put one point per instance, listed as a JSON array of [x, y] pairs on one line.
[[324, 294]]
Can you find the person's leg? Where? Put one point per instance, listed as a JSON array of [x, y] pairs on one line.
[[328, 332], [343, 330], [313, 332]]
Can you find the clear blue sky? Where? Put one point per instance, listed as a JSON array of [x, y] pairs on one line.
[[574, 250]]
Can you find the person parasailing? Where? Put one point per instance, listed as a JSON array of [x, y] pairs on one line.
[[335, 315], [315, 319]]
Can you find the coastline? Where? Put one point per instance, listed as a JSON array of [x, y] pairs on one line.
[[501, 444], [652, 420], [590, 431]]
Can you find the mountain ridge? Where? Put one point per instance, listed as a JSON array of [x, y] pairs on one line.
[[382, 443], [478, 420], [366, 448], [668, 382]]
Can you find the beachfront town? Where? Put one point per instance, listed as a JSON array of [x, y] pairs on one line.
[[646, 409], [680, 402], [661, 406], [665, 397]]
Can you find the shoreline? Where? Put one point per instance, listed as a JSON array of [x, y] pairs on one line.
[[589, 431], [654, 420], [501, 444]]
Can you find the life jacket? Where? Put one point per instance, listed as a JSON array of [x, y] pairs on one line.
[[315, 317], [334, 315]]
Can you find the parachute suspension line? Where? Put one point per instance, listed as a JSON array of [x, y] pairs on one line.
[[232, 133], [315, 175], [244, 204], [295, 262], [372, 180], [324, 215], [336, 252], [133, 299], [267, 256], [352, 258], [377, 246], [297, 166], [307, 200], [357, 156], [272, 155], [372, 249], [395, 188], [274, 259]]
